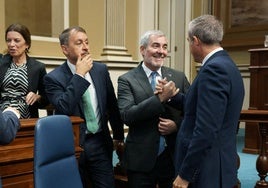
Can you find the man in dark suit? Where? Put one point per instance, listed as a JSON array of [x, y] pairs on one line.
[[9, 125], [148, 117], [206, 155], [65, 87]]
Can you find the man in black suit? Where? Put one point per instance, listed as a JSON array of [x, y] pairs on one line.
[[150, 121], [65, 87]]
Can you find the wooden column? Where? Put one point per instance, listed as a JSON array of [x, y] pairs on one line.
[[115, 49], [259, 118]]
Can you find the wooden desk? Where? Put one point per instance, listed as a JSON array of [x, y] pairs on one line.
[[16, 158], [258, 99], [259, 117]]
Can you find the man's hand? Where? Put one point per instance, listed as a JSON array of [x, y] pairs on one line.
[[180, 183], [118, 144], [84, 64], [166, 126], [159, 86], [166, 90]]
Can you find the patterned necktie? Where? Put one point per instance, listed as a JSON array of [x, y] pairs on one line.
[[153, 80], [162, 139], [91, 121]]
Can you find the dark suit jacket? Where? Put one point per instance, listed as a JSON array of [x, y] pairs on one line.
[[206, 144], [140, 110], [9, 125], [65, 91], [36, 72]]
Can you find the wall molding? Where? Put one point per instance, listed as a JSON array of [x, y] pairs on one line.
[[53, 62]]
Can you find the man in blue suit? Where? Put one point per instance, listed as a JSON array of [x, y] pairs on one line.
[[206, 155], [9, 125], [65, 87]]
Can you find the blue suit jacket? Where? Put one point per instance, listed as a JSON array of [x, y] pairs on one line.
[[65, 90], [9, 125], [206, 143]]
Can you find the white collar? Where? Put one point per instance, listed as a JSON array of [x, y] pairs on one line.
[[149, 71], [210, 54]]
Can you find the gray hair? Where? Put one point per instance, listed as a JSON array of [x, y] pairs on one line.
[[64, 36], [146, 36], [207, 28]]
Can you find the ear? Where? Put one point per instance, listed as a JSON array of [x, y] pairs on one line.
[[64, 49], [142, 49], [196, 40]]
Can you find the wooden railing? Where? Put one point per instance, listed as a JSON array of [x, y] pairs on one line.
[[260, 117], [16, 158]]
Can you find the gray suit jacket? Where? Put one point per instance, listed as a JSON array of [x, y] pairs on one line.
[[140, 110]]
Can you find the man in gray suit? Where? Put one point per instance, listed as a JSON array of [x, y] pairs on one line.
[[150, 121]]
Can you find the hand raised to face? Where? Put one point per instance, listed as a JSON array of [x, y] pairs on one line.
[[84, 64]]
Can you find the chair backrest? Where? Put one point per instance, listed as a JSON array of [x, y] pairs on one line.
[[55, 164]]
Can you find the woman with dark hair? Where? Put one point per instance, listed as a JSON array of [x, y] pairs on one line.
[[21, 76]]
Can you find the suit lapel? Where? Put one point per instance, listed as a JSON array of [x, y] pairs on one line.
[[67, 72], [142, 79], [68, 76], [166, 73], [99, 87]]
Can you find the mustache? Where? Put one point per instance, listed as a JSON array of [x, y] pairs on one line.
[[84, 54]]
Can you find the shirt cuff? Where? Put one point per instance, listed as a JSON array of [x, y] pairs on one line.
[[12, 110]]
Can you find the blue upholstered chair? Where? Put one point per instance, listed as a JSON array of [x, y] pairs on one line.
[[55, 165]]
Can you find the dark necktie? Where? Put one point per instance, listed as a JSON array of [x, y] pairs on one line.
[[162, 139], [91, 121]]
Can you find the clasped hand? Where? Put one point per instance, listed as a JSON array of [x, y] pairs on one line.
[[165, 89]]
